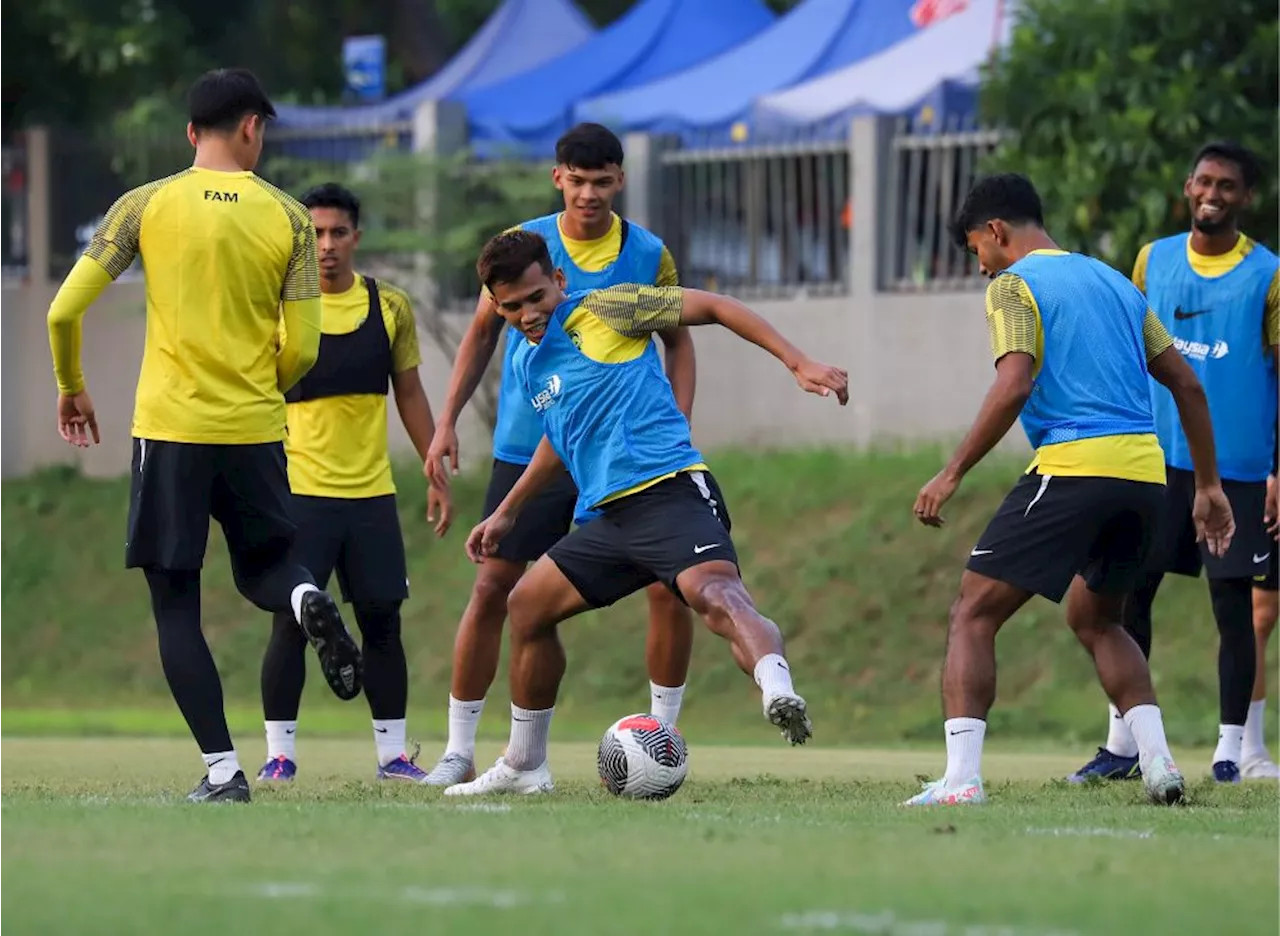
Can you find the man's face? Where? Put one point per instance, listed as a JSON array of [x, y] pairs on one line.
[[527, 303], [990, 244], [336, 241], [588, 193], [1216, 195]]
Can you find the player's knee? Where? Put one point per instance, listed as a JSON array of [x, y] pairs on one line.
[[379, 623], [664, 605], [526, 612], [719, 595], [494, 584], [1266, 609]]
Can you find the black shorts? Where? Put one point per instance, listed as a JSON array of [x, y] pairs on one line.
[[359, 538], [647, 537], [1175, 548], [1270, 580], [178, 486], [1051, 529], [543, 521]]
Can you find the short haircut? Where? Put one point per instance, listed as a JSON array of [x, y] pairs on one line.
[[221, 98], [589, 146], [1008, 197], [1229, 151], [333, 195], [505, 258]]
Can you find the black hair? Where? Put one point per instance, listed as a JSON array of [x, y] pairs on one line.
[[589, 146], [333, 195], [1229, 151], [221, 98], [1009, 197], [505, 258]]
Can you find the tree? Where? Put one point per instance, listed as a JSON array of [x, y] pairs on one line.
[[1107, 101]]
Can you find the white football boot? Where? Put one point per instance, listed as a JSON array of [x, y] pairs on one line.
[[502, 778]]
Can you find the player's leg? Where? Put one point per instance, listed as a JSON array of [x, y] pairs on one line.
[[668, 646], [168, 528], [373, 575], [252, 502], [1034, 544], [478, 644], [1231, 593], [1256, 762]]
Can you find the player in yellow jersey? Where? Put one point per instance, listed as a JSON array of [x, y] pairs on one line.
[[596, 248], [226, 256], [344, 499], [1075, 347]]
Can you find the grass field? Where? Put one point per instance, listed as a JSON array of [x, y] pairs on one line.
[[98, 840]]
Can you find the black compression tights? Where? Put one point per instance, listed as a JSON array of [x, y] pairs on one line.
[[386, 672], [184, 655], [1233, 611]]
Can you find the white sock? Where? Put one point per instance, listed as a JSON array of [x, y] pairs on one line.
[[464, 719], [222, 767], [664, 701], [527, 749], [773, 676], [1230, 743], [1255, 746], [1119, 738], [1147, 725], [282, 738], [388, 736], [964, 749], [295, 599]]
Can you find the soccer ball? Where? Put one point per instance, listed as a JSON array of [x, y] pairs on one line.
[[642, 757]]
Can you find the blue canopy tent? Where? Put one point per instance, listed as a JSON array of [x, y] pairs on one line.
[[521, 34], [932, 76], [707, 100], [656, 38]]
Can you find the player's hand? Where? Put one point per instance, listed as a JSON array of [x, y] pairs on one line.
[[1214, 522], [484, 539], [822, 379], [77, 422], [439, 508], [932, 496], [1271, 510], [444, 444]]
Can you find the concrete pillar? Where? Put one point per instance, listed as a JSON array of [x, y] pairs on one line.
[[642, 195], [39, 228]]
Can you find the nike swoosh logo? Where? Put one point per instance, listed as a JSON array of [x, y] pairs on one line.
[[981, 552], [381, 730], [699, 550], [962, 731], [1183, 316], [1263, 558], [290, 730]]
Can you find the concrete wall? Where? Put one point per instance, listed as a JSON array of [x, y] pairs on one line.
[[918, 364]]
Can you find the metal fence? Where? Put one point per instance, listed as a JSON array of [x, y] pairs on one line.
[[929, 176], [762, 220]]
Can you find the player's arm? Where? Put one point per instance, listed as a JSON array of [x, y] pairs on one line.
[[540, 472], [300, 305], [111, 251], [1013, 325], [1211, 510], [678, 359], [474, 353]]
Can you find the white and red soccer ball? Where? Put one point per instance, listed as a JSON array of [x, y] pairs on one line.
[[642, 757]]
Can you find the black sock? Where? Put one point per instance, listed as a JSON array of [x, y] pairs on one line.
[[188, 665], [1137, 612], [284, 669], [1233, 611], [386, 671]]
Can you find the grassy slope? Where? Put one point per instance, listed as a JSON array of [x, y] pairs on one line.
[[829, 549]]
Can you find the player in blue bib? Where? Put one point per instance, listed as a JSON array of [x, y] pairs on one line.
[[1218, 294], [653, 513], [595, 248]]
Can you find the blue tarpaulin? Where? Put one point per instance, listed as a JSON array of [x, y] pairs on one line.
[[656, 38], [520, 35], [931, 77], [816, 37]]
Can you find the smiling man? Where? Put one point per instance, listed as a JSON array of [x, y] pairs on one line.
[[1218, 293], [587, 367]]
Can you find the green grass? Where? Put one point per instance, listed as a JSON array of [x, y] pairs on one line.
[[829, 549], [768, 840]]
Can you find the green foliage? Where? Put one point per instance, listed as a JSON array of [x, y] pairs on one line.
[[1107, 101]]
